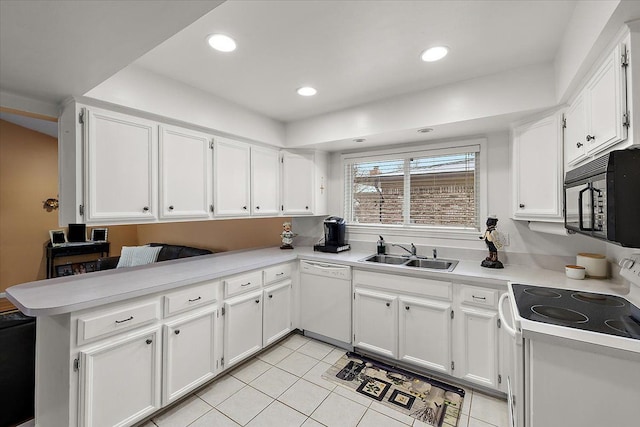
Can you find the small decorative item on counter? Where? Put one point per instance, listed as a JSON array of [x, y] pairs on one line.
[[596, 265], [574, 271], [494, 242], [287, 236], [382, 248]]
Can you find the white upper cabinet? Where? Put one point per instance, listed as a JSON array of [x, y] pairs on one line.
[[303, 183], [598, 119], [297, 183], [607, 104], [185, 165], [575, 132], [537, 170], [265, 181], [121, 156], [232, 178]]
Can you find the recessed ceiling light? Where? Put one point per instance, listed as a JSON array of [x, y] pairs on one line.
[[359, 140], [306, 91], [222, 43], [425, 130], [434, 54]]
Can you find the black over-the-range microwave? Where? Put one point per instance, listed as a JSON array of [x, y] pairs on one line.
[[602, 198]]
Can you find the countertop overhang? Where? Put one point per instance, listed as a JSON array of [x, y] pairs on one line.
[[73, 293]]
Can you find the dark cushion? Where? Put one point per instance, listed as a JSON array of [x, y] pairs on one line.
[[176, 251], [167, 252]]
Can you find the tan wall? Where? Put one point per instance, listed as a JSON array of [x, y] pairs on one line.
[[220, 235], [28, 177]]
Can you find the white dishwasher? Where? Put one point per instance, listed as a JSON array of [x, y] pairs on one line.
[[325, 302]]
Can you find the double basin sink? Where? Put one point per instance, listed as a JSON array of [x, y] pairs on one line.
[[416, 262]]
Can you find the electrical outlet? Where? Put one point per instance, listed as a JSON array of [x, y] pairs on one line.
[[505, 236]]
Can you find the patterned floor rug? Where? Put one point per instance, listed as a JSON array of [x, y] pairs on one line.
[[430, 401]]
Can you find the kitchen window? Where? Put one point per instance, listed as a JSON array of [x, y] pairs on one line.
[[437, 189]]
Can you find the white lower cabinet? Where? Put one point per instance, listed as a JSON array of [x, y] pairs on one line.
[[190, 353], [444, 327], [425, 333], [476, 346], [242, 327], [375, 322], [120, 380], [277, 312]]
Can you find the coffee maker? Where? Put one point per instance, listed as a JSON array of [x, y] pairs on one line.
[[334, 236]]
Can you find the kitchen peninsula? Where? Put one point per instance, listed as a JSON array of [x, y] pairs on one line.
[[142, 324]]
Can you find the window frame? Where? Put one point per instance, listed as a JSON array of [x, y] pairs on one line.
[[422, 150]]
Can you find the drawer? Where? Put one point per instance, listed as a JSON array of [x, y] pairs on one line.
[[479, 296], [405, 284], [96, 325], [277, 273], [242, 283], [192, 297]]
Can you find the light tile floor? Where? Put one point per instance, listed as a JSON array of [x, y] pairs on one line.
[[284, 387]]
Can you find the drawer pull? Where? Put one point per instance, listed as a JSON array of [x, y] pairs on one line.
[[257, 301], [246, 284], [125, 320], [406, 307], [388, 304], [280, 274], [149, 341], [480, 298], [177, 331], [195, 299]]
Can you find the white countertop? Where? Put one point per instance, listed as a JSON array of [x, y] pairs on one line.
[[72, 293]]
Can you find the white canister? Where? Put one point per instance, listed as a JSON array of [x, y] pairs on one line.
[[596, 265]]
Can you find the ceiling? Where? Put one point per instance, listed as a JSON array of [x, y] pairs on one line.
[[354, 52], [53, 49]]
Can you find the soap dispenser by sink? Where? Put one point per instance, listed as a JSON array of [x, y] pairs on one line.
[[382, 247]]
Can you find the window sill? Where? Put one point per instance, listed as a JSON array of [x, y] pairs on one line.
[[416, 231]]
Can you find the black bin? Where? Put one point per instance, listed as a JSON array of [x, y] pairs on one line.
[[17, 367]]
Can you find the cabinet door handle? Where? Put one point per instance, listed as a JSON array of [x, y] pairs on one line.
[[406, 307], [270, 296], [258, 208], [149, 341], [171, 207], [125, 320], [244, 207], [257, 301], [521, 205], [195, 299], [579, 144], [177, 332], [146, 209], [388, 304], [246, 284], [306, 207], [480, 298], [280, 274], [590, 138]]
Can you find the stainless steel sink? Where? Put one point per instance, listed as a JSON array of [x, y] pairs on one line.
[[403, 261], [387, 259], [433, 264]]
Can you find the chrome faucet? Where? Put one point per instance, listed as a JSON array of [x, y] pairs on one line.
[[412, 251], [435, 253]]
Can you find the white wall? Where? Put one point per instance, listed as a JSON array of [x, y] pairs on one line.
[[524, 89], [21, 103], [140, 89], [522, 239]]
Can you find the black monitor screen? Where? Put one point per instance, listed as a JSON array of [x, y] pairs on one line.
[[77, 233]]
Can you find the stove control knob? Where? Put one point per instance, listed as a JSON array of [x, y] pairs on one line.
[[626, 263]]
